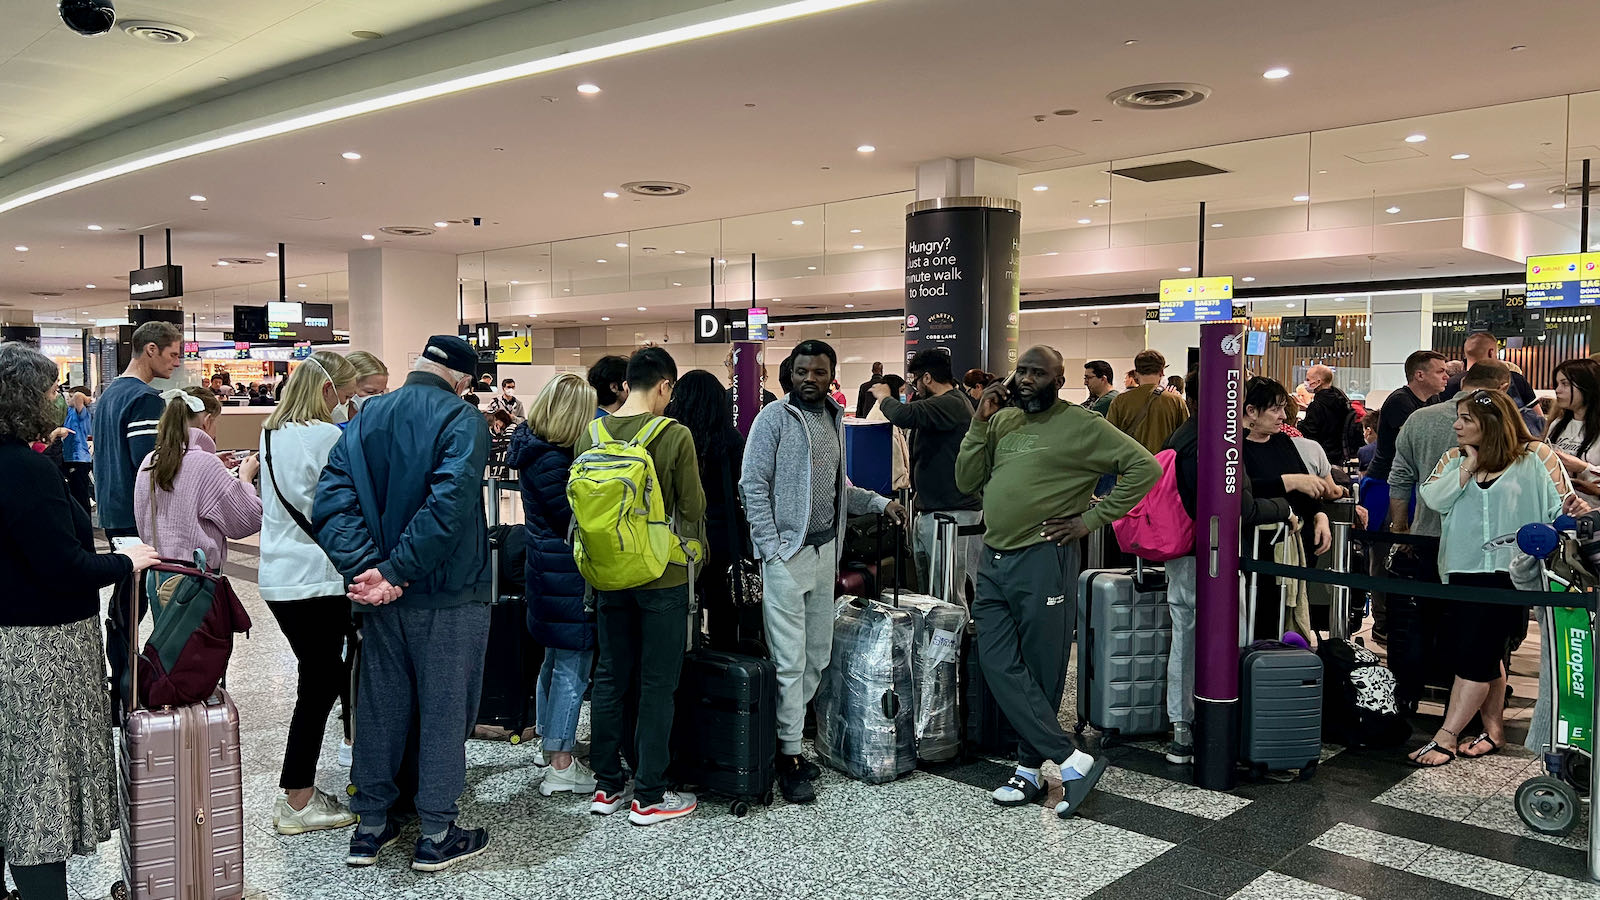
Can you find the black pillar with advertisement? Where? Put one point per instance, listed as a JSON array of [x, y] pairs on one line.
[[962, 290]]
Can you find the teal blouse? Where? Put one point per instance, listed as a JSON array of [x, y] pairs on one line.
[[1531, 490]]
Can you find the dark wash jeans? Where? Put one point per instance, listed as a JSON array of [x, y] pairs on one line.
[[640, 656]]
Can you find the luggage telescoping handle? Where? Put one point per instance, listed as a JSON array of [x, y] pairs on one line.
[[945, 534]]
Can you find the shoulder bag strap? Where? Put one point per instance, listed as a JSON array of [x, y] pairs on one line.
[[1139, 420], [272, 476]]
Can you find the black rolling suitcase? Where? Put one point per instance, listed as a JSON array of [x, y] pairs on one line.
[[506, 707], [985, 729], [725, 733]]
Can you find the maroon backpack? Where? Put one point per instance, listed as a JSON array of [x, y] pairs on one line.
[[196, 614]]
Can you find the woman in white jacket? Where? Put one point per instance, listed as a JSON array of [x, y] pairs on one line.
[[300, 584]]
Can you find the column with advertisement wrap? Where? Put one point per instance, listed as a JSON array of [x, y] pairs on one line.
[[746, 384], [962, 290], [1220, 463]]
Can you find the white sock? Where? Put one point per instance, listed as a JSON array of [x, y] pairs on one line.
[[1030, 774], [1078, 765]]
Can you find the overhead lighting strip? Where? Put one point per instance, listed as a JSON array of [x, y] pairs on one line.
[[560, 60]]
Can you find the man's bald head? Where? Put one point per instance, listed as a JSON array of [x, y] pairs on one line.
[[1479, 347], [1045, 357], [1318, 377]]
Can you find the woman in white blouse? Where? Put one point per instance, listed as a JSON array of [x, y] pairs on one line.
[[1575, 431]]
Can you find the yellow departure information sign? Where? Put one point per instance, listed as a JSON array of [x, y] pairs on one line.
[[1563, 279], [1197, 299]]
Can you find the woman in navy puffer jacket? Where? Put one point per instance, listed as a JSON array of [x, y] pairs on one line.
[[542, 452]]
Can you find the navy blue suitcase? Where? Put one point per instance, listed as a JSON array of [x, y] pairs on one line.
[[725, 732]]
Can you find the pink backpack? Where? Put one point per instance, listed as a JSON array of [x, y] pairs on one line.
[[1158, 528]]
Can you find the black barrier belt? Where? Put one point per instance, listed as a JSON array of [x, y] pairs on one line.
[[1401, 587], [1390, 537]]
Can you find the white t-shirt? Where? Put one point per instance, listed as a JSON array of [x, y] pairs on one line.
[[1570, 440], [293, 567]]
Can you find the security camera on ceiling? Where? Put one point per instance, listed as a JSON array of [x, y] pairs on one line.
[[88, 17]]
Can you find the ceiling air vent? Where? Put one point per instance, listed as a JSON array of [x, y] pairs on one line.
[[1164, 95], [1169, 171], [656, 188], [241, 260], [47, 294], [408, 230], [157, 32]]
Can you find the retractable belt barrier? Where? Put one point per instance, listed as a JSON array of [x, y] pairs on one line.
[[1501, 596]]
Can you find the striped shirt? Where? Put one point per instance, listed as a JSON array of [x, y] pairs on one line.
[[124, 422]]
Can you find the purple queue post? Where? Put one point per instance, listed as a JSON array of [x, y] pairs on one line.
[[746, 384], [1221, 469]]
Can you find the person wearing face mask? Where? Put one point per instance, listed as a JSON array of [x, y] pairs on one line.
[[372, 378], [399, 510], [184, 497], [1036, 465], [300, 584], [506, 401]]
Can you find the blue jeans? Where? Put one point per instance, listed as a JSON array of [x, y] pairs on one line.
[[562, 679]]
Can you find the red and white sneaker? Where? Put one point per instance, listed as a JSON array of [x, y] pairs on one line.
[[605, 804], [673, 805]]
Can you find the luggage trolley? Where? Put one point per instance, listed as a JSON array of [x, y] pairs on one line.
[[1556, 558]]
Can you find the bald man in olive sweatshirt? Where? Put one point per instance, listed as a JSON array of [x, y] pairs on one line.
[[1037, 465]]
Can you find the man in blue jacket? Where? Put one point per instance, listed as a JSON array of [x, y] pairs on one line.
[[399, 509]]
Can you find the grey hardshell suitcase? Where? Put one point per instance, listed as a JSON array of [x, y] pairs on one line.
[[1124, 636], [180, 788], [1280, 695]]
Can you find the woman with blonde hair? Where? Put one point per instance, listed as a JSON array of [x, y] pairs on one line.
[[542, 451], [301, 586], [372, 376], [184, 497]]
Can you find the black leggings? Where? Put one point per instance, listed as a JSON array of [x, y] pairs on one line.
[[42, 882], [316, 630]]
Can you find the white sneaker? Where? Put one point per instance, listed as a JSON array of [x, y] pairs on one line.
[[605, 804], [321, 813], [673, 805], [575, 778], [540, 761], [346, 755]]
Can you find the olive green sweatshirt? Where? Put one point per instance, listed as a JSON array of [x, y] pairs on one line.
[[678, 470], [1037, 466]]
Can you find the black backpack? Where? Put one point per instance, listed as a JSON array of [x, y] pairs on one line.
[[1358, 703]]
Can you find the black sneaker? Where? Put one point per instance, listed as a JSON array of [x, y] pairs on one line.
[[1180, 753], [457, 844], [805, 768], [795, 788], [365, 846]]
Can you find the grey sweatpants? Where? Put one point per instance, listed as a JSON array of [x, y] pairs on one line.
[[1026, 611], [797, 609], [427, 664]]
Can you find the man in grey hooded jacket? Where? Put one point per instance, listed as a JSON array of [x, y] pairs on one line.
[[797, 498]]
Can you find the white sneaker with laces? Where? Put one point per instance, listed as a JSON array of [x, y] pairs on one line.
[[321, 813], [673, 805], [575, 778]]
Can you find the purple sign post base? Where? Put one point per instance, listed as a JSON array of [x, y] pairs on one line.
[[746, 384], [1221, 468]]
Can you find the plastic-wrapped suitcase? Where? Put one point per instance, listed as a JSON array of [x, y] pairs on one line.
[[726, 729], [936, 667], [1124, 636], [866, 707]]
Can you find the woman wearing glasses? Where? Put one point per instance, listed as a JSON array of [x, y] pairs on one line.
[[1497, 480]]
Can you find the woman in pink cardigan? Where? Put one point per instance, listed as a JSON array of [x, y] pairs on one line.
[[198, 503]]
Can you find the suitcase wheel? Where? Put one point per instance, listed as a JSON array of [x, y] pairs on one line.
[[1308, 771], [767, 798], [350, 789], [516, 738], [119, 891], [740, 808]]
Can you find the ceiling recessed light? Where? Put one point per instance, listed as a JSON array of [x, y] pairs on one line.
[[858, 246], [599, 260], [1515, 186], [94, 227], [677, 284], [1186, 268], [680, 252], [855, 231], [1053, 253], [1416, 138], [611, 195], [1041, 188], [1392, 210], [622, 244], [1103, 201], [89, 286], [1558, 206], [1084, 221], [605, 318], [198, 198], [1338, 299], [1275, 74], [350, 154], [222, 262], [514, 282], [301, 284], [1518, 48], [849, 306], [640, 309], [566, 290], [777, 299], [865, 148], [273, 254], [1460, 156], [441, 224], [797, 221], [1129, 43], [587, 88], [811, 268], [368, 237], [1301, 198], [1290, 305], [1216, 224], [1248, 278]]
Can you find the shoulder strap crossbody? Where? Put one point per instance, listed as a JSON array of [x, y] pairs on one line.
[[1139, 419], [272, 476]]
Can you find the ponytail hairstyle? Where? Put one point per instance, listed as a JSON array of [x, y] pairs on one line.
[[172, 431]]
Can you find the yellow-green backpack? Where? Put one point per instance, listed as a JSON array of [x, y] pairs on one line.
[[621, 536]]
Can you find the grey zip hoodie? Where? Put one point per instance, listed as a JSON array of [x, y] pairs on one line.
[[776, 484]]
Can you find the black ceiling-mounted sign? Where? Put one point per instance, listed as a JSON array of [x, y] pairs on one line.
[[155, 283], [711, 326]]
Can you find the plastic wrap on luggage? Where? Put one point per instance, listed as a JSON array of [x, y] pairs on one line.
[[935, 665], [866, 709]]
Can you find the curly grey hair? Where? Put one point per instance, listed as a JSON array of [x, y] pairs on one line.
[[27, 379]]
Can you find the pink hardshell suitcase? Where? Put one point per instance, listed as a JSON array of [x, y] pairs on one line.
[[182, 801]]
